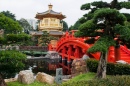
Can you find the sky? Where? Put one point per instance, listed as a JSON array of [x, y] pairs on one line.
[[28, 8]]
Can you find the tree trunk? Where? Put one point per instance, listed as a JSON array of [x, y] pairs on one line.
[[2, 82], [101, 71]]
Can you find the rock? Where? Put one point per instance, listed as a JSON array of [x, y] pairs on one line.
[[43, 77], [121, 61], [26, 77], [78, 67], [10, 80]]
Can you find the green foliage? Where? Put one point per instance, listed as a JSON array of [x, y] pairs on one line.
[[2, 40], [88, 24], [92, 65], [11, 63], [9, 14], [100, 4], [127, 16], [17, 38], [112, 69], [9, 25], [65, 26], [86, 76], [82, 20], [76, 25], [125, 5], [111, 15], [124, 32], [86, 29], [112, 81], [25, 25], [102, 44], [85, 6], [46, 38]]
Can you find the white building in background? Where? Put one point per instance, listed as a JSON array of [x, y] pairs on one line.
[[33, 23]]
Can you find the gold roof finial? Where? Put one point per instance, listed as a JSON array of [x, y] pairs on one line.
[[50, 6]]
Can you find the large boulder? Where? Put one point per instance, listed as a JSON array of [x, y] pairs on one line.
[[79, 66], [43, 77], [26, 77]]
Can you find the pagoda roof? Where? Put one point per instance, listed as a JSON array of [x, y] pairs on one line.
[[50, 13]]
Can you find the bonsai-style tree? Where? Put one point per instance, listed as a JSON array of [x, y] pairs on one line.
[[108, 24], [101, 23], [46, 38]]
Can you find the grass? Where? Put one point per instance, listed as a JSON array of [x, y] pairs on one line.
[[86, 76], [32, 84], [80, 78]]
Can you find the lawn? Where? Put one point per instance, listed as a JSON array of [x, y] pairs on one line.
[[33, 84], [86, 76]]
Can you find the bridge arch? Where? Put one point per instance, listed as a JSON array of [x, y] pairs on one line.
[[70, 48]]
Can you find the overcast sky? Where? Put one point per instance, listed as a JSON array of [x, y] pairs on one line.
[[28, 8]]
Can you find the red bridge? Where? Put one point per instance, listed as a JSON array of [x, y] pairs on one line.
[[70, 48]]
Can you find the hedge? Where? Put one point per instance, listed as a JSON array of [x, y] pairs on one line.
[[112, 68], [111, 81]]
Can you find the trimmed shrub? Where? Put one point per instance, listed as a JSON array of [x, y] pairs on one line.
[[112, 68], [92, 65], [11, 62], [112, 81]]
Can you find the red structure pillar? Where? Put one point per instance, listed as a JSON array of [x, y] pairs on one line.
[[76, 53], [63, 60], [69, 59], [117, 54]]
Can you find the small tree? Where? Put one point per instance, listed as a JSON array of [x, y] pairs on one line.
[[46, 38]]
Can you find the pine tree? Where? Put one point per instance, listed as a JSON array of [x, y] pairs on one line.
[[106, 21]]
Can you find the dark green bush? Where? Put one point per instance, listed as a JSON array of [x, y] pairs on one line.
[[112, 68], [92, 65], [11, 62]]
